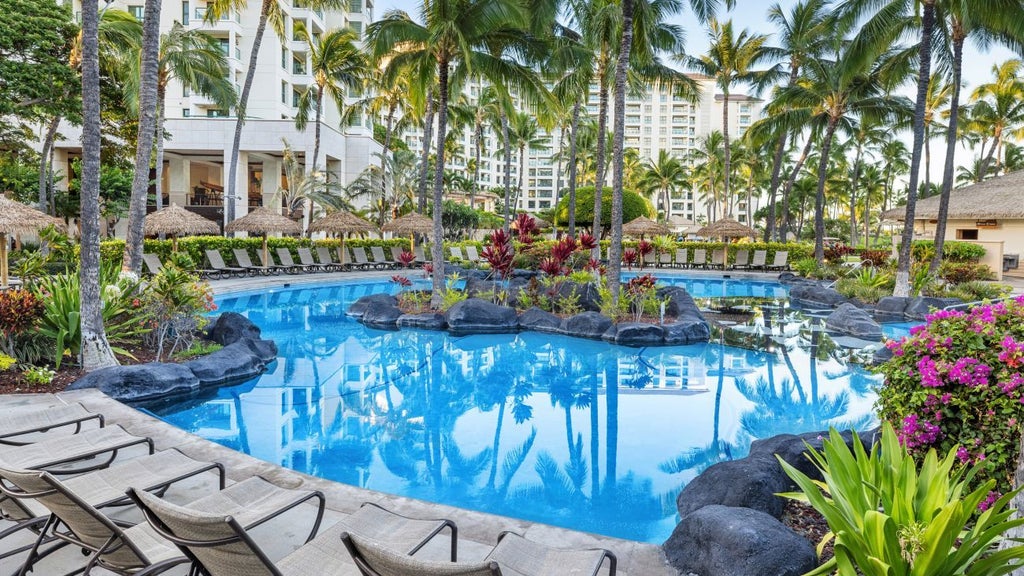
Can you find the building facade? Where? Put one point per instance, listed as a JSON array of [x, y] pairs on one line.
[[198, 150], [660, 119]]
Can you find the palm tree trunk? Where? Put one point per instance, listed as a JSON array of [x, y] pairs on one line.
[[947, 169], [558, 171], [428, 128], [436, 248], [45, 168], [602, 129], [853, 195], [316, 130], [996, 139], [522, 172], [159, 135], [927, 161], [478, 134], [147, 129], [618, 168], [388, 126], [243, 102], [784, 231], [727, 156], [819, 197], [903, 267], [508, 169], [572, 167], [95, 349], [770, 231]]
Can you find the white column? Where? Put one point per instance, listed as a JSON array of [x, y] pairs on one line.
[[179, 174], [241, 183], [271, 179]]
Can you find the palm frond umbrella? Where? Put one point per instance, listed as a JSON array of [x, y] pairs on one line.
[[263, 221], [410, 224], [341, 222], [17, 218], [642, 226], [176, 221], [725, 229]]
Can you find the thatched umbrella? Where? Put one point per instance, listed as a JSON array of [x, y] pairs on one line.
[[175, 221], [17, 218], [341, 222], [642, 226], [411, 224], [725, 229], [264, 221]]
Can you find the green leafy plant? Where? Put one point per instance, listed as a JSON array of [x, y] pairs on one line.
[[617, 311], [30, 267], [452, 295], [38, 376], [889, 517], [6, 362], [961, 272], [977, 291], [198, 348], [178, 303]]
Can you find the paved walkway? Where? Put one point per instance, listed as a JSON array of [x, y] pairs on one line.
[[477, 531]]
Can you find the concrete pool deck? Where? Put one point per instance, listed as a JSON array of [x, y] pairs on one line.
[[478, 531]]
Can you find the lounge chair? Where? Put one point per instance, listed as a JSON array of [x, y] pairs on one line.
[[421, 258], [512, 555], [472, 255], [217, 263], [718, 258], [456, 254], [682, 255], [381, 259], [152, 263], [760, 258], [665, 259], [324, 255], [781, 261], [306, 259], [361, 260], [397, 253], [345, 257], [742, 259], [101, 488], [75, 454], [244, 261], [700, 258], [221, 546], [19, 423], [139, 548], [268, 263], [285, 256], [650, 260]]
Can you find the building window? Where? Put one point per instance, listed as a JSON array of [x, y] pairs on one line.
[[185, 112], [284, 92], [296, 96], [357, 27], [966, 234], [355, 6], [284, 58], [137, 12], [225, 46], [216, 113], [184, 13], [185, 91]]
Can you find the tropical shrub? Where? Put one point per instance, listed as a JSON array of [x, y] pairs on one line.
[[633, 206], [177, 302], [19, 311], [38, 375], [977, 291], [952, 251], [960, 272], [6, 362], [958, 381], [877, 258], [888, 516]]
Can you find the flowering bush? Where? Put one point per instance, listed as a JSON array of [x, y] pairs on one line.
[[19, 311], [959, 381]]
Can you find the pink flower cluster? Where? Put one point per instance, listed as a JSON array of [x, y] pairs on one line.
[[970, 372], [1012, 353], [914, 432]]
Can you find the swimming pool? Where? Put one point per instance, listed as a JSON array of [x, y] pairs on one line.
[[570, 432]]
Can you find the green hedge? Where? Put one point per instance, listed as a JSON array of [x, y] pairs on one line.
[[952, 251]]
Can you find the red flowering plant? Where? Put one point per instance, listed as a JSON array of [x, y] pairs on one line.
[[19, 311], [499, 253], [587, 241], [525, 227], [406, 258], [640, 292], [958, 381], [643, 248], [629, 257]]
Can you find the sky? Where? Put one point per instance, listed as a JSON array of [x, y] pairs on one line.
[[752, 14]]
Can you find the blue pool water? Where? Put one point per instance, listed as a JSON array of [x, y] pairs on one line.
[[569, 432]]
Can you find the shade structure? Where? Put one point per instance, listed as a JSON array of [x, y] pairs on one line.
[[411, 224], [17, 218], [341, 222], [263, 221], [643, 226], [175, 221], [727, 228]]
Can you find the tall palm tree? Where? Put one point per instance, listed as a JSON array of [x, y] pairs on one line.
[[270, 13], [664, 176], [865, 136], [304, 187], [730, 59], [896, 156], [802, 34], [197, 61], [708, 170], [999, 105], [572, 68], [524, 133], [1000, 20], [148, 78], [95, 349], [454, 34], [939, 92], [336, 65]]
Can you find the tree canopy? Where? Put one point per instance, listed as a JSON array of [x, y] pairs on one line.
[[633, 206]]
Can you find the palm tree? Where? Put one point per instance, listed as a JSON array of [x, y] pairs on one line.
[[524, 133], [802, 35], [865, 134], [572, 67], [1001, 19], [95, 349], [897, 162], [708, 170], [939, 92], [270, 13], [148, 78], [1000, 106], [302, 187], [336, 64], [453, 33], [666, 175], [730, 59]]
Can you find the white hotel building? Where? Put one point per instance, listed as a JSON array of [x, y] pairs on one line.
[[657, 120], [197, 152]]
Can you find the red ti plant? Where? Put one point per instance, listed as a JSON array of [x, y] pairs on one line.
[[526, 227], [406, 258], [563, 249], [629, 256], [551, 267], [587, 241], [499, 253], [643, 248], [595, 264]]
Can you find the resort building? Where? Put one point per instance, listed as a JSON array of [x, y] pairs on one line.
[[659, 119], [989, 213], [198, 150]]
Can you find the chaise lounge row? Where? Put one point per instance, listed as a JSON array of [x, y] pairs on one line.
[[64, 473], [742, 261]]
